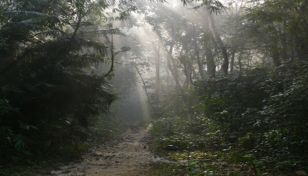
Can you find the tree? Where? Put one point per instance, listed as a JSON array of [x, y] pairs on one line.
[[46, 76], [278, 23]]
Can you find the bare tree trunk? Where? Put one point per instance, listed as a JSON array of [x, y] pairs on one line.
[[232, 61], [225, 65], [284, 42], [171, 64], [172, 68], [144, 85], [157, 66], [275, 50], [210, 63], [275, 56], [294, 48], [187, 65], [189, 69], [112, 59], [185, 70], [168, 76], [263, 61], [200, 63], [240, 62]]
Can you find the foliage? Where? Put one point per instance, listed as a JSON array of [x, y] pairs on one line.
[[256, 112], [226, 99], [50, 95], [257, 118], [185, 133]]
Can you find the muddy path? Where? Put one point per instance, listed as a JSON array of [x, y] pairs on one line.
[[127, 154]]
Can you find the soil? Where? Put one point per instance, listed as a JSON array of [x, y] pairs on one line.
[[128, 154]]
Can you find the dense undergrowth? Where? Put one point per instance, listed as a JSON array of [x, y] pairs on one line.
[[34, 158], [253, 123]]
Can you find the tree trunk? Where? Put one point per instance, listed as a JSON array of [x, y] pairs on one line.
[[168, 75], [200, 63], [232, 61], [240, 62], [189, 70], [185, 70], [144, 85], [157, 66], [284, 42], [210, 63], [263, 61], [187, 65], [171, 64], [275, 56], [225, 64], [274, 50]]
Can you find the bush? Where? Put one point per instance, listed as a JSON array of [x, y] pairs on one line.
[[258, 118]]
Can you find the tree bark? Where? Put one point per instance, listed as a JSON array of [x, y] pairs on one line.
[[225, 64], [210, 63], [274, 50], [284, 42], [157, 66], [187, 65], [232, 61], [200, 63], [112, 59], [171, 64], [240, 62], [77, 27], [275, 56], [144, 85]]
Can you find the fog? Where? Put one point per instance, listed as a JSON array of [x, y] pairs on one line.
[[167, 43]]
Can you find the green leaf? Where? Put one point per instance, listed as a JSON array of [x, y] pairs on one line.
[[193, 164], [196, 171], [211, 167]]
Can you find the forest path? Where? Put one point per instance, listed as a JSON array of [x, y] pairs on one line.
[[125, 155]]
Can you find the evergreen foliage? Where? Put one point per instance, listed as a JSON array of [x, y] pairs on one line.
[[49, 95]]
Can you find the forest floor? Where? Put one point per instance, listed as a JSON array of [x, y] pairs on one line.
[[128, 154]]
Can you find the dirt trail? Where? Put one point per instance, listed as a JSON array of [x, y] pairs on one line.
[[125, 155]]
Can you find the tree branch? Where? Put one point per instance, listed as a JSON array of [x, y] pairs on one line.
[[112, 58]]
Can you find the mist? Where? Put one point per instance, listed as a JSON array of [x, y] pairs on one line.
[[154, 87]]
